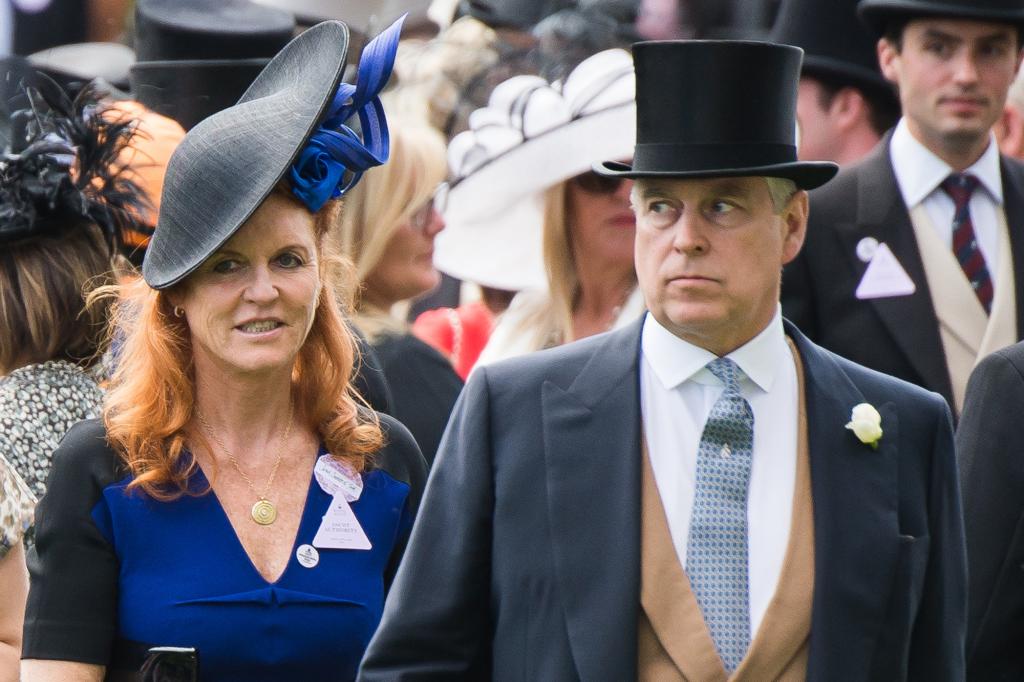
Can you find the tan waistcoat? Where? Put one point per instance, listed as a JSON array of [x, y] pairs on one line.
[[674, 644], [967, 333]]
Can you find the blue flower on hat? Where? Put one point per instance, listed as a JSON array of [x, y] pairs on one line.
[[335, 149]]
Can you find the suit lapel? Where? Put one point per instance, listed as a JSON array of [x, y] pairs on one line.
[[1013, 202], [910, 320], [856, 527], [592, 455]]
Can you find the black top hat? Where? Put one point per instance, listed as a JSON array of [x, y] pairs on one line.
[[834, 45], [877, 13], [209, 29], [520, 14], [197, 57], [717, 108], [230, 163]]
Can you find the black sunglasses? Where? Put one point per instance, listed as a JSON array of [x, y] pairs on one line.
[[594, 183]]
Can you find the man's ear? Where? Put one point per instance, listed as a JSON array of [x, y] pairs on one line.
[[794, 218], [888, 60], [1009, 130], [848, 108]]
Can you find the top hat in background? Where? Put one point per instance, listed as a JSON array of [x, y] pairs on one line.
[[367, 17], [876, 14], [743, 126], [74, 65], [197, 57], [517, 14], [835, 46]]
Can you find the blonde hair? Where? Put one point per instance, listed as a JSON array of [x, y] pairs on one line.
[[559, 265], [43, 315], [152, 393], [386, 198]]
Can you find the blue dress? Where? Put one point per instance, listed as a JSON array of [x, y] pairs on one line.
[[157, 573]]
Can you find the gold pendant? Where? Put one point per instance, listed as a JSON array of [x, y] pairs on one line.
[[264, 512]]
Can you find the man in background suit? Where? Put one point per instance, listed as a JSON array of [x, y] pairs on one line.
[[679, 499], [844, 104], [914, 260]]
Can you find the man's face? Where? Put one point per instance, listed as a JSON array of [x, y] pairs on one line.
[[953, 75], [709, 255]]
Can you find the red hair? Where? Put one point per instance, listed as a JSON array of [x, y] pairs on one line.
[[151, 398]]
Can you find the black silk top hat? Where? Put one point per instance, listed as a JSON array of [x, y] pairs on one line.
[[717, 108], [877, 13], [835, 45], [197, 57], [289, 124]]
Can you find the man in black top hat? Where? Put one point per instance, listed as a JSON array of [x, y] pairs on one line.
[[679, 499], [844, 104], [912, 261]]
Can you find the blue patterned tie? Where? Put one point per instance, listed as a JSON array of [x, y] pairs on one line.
[[716, 550]]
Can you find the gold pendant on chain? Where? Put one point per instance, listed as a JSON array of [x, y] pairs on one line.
[[264, 512]]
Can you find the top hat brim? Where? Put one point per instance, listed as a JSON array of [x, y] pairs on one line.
[[875, 14], [806, 174], [229, 164]]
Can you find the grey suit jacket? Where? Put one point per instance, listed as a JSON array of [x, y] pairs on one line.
[[524, 562]]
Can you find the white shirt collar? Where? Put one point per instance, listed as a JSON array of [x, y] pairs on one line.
[[919, 172], [675, 360]]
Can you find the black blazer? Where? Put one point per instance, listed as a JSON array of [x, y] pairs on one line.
[[990, 439], [524, 562], [899, 335]]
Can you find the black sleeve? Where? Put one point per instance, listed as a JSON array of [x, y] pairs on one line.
[[403, 461], [72, 602], [368, 378], [989, 443], [424, 388]]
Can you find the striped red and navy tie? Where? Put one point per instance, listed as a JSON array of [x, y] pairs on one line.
[[965, 243]]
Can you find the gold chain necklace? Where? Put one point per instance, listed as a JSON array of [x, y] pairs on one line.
[[263, 511]]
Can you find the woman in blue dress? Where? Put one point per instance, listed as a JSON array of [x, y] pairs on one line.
[[237, 497]]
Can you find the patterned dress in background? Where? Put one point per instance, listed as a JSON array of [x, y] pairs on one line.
[[16, 506], [38, 404]]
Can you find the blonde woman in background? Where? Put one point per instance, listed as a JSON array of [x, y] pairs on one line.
[[387, 228], [526, 213]]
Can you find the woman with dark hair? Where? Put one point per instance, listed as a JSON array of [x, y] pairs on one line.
[[63, 207], [237, 499]]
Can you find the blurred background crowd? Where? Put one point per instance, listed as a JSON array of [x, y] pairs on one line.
[[487, 235]]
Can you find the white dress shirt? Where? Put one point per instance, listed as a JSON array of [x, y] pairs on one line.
[[676, 396], [919, 174]]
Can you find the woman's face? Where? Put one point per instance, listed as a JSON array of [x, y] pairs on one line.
[[406, 269], [601, 221], [251, 304]]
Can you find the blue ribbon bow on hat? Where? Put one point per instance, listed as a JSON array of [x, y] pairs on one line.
[[334, 148]]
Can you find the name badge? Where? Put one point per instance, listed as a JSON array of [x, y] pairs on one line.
[[336, 476], [340, 528]]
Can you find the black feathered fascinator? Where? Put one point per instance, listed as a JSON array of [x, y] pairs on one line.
[[59, 169]]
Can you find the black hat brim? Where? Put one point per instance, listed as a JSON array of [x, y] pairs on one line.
[[806, 174], [876, 14]]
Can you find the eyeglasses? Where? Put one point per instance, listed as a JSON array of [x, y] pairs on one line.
[[595, 183], [438, 201]]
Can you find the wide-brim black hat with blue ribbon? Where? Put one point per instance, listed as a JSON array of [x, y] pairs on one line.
[[717, 108], [876, 14], [289, 123]]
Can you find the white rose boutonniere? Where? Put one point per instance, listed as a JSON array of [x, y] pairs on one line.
[[866, 424]]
